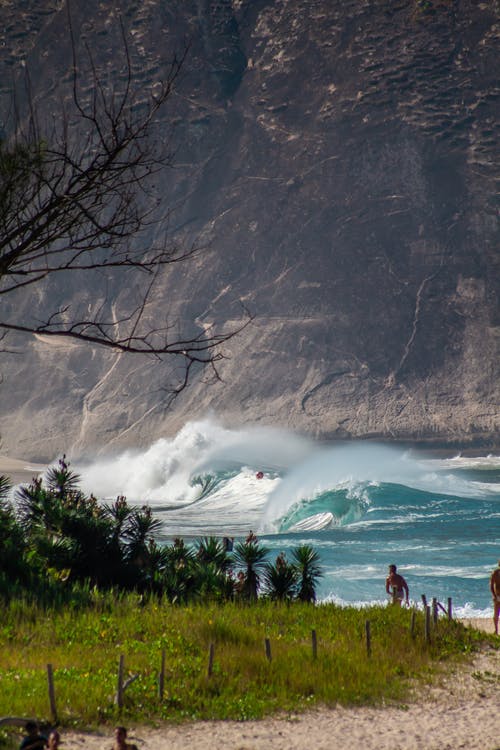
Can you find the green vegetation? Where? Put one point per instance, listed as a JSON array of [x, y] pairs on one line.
[[58, 544], [82, 584], [84, 646]]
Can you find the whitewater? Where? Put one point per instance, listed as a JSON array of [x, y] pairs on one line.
[[360, 505]]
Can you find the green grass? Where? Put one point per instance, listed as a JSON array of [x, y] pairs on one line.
[[84, 649]]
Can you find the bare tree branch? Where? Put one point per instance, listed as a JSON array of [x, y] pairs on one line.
[[77, 198]]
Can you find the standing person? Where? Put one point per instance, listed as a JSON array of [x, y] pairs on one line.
[[396, 586], [228, 543], [495, 592], [33, 740], [121, 740]]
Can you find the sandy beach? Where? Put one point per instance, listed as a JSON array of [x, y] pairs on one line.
[[461, 711], [20, 471]]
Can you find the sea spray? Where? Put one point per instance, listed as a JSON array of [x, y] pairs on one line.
[[169, 470]]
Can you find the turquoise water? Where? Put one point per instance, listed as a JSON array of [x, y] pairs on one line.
[[362, 506], [443, 545]]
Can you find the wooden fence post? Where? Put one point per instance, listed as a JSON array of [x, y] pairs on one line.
[[161, 677], [52, 694], [314, 644], [412, 624], [368, 638], [450, 609], [211, 651], [434, 610], [428, 624], [119, 684], [268, 649]]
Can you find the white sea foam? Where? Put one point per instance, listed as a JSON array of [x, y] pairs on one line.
[[447, 571], [488, 463], [164, 472], [470, 610], [467, 611]]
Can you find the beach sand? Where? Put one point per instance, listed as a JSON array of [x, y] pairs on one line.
[[20, 471], [461, 711]]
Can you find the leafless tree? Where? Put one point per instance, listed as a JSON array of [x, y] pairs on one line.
[[78, 199]]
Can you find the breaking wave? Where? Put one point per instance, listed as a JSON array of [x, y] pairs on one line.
[[355, 503]]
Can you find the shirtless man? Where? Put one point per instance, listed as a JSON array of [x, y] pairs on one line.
[[396, 586], [495, 592]]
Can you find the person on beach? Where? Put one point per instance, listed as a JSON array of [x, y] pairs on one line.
[[396, 586], [33, 740], [54, 740], [121, 740], [228, 543], [495, 592]]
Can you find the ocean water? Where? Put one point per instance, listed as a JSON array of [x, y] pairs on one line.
[[361, 505]]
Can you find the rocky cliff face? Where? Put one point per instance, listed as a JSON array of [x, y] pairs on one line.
[[337, 160]]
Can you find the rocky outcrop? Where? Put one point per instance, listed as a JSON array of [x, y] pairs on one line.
[[336, 160]]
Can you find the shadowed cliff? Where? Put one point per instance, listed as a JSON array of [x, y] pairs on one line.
[[337, 162]]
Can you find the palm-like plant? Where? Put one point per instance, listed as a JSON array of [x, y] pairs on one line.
[[150, 576], [12, 542], [177, 585], [250, 556], [214, 584], [119, 513], [306, 563], [67, 530], [138, 533], [89, 534], [58, 538], [280, 579], [61, 481], [212, 569], [212, 551], [5, 488], [179, 580], [140, 528], [37, 507], [179, 556]]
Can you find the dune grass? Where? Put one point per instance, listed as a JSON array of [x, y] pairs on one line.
[[84, 648]]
